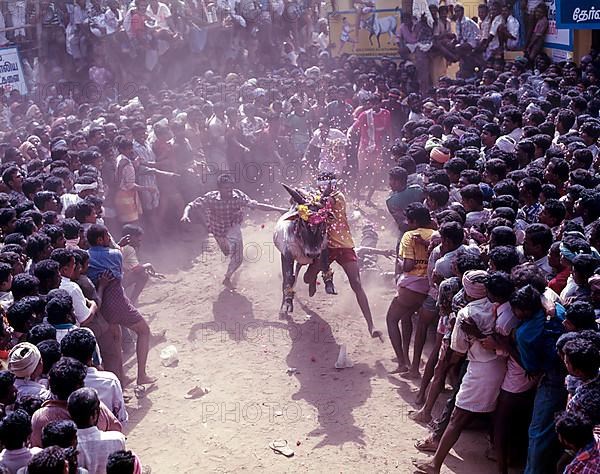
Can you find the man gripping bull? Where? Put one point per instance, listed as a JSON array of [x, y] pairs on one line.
[[223, 215], [340, 247]]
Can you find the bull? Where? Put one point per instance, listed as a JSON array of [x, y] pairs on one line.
[[300, 236]]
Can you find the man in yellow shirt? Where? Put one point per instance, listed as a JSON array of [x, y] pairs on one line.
[[412, 283], [340, 246]]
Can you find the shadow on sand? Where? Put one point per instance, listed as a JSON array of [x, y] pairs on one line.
[[234, 319], [333, 393]]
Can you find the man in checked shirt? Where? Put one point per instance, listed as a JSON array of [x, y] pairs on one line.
[[223, 214]]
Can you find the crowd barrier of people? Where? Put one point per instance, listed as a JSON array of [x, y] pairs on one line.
[[494, 179]]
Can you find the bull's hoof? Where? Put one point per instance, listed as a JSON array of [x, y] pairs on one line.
[[312, 288], [286, 308]]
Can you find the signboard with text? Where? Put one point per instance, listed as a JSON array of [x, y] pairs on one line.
[[578, 14], [11, 71], [558, 40]]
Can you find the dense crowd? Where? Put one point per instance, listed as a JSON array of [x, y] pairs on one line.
[[494, 179]]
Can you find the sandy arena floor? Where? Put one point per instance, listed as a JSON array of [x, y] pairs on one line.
[[233, 342]]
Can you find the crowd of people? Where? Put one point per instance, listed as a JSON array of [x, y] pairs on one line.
[[494, 179]]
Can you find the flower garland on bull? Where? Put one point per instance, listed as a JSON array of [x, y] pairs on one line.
[[315, 217]]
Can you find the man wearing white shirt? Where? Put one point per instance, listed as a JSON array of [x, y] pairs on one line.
[[537, 243], [590, 132], [80, 345], [512, 121], [160, 13], [84, 310], [93, 446], [564, 121]]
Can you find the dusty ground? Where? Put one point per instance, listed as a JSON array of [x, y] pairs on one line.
[[233, 342]]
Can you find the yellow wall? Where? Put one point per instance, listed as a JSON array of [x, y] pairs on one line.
[[470, 5]]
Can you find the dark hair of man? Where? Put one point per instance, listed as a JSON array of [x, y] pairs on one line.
[[51, 460], [540, 234], [82, 404], [583, 355], [82, 210], [472, 191], [575, 429], [46, 269], [21, 316], [41, 332], [398, 173], [59, 309], [61, 433], [71, 228], [15, 428], [504, 258], [529, 274], [28, 403], [79, 344], [36, 244], [581, 314], [62, 256], [466, 260], [500, 285], [66, 376], [121, 462], [526, 298], [418, 213], [50, 351], [452, 231]]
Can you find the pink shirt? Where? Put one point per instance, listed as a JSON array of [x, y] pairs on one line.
[[55, 410]]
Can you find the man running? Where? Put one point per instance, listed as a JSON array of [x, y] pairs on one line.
[[223, 215], [340, 247]]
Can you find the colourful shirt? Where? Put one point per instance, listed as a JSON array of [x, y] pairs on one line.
[[222, 214], [415, 251], [338, 232], [586, 400], [586, 461]]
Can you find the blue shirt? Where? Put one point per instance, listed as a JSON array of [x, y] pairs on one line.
[[103, 259]]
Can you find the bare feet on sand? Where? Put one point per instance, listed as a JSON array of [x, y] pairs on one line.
[[420, 417], [145, 379], [426, 467], [427, 445]]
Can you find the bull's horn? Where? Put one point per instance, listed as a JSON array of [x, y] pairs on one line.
[[296, 196]]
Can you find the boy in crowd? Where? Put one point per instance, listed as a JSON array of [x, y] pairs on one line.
[[116, 307], [135, 274]]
